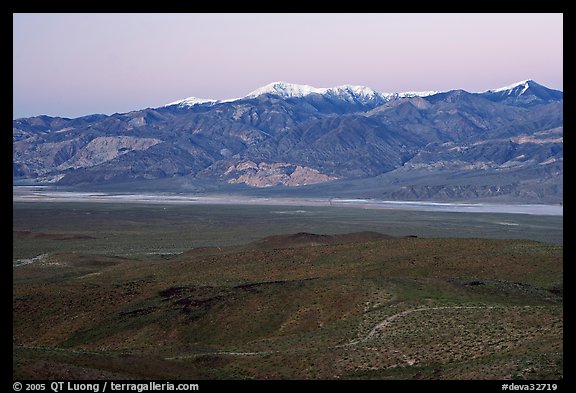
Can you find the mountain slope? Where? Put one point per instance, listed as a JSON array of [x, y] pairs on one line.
[[524, 93], [286, 135]]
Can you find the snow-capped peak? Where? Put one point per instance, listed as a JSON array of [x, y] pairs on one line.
[[362, 94], [191, 101], [284, 90], [410, 94], [524, 85], [361, 91], [349, 93]]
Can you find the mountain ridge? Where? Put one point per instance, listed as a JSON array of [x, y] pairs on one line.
[[298, 136], [294, 90]]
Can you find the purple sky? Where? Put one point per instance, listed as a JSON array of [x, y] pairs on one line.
[[77, 64]]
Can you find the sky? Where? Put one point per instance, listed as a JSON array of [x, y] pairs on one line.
[[72, 65]]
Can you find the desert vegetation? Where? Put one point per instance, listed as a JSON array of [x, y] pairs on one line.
[[298, 306]]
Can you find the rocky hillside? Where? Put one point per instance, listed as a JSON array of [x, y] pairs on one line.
[[504, 143]]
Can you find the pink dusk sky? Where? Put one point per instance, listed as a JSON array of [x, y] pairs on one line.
[[72, 65]]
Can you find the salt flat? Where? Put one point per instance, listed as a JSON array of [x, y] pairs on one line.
[[47, 194]]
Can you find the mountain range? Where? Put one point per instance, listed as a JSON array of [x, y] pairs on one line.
[[504, 144]]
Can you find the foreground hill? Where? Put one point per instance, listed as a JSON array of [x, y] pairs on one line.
[[307, 306], [285, 137]]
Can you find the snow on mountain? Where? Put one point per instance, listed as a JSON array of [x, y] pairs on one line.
[[284, 90], [525, 85], [410, 94], [523, 93], [353, 93], [191, 101], [362, 94], [349, 93], [345, 92]]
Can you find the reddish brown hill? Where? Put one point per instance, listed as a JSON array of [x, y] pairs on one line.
[[302, 239]]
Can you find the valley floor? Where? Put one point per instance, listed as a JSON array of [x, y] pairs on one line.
[[45, 194]]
